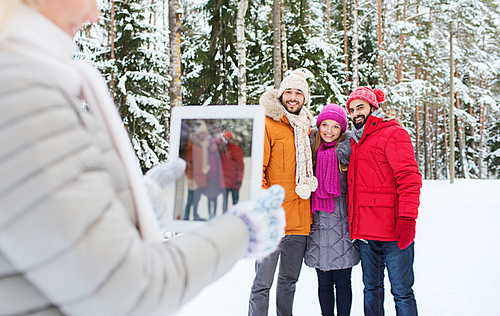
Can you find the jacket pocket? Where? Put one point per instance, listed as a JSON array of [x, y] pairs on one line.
[[280, 152], [377, 214], [373, 199]]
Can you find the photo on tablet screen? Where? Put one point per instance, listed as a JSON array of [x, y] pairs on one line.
[[223, 150]]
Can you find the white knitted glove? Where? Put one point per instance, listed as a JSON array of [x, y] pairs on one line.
[[158, 180], [265, 219], [167, 172]]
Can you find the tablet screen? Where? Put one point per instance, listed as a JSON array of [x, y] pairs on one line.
[[223, 150]]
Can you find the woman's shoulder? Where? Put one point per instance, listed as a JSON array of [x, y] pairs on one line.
[[348, 136], [18, 75], [312, 135], [344, 148]]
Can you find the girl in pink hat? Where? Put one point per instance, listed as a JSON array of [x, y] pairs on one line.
[[329, 249]]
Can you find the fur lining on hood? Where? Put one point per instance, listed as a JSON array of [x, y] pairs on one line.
[[274, 109]]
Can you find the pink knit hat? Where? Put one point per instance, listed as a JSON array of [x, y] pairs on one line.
[[333, 112], [374, 97]]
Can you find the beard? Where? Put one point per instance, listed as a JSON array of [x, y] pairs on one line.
[[295, 110], [360, 124]]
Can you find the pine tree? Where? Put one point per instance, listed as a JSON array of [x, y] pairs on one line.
[[139, 68], [410, 63]]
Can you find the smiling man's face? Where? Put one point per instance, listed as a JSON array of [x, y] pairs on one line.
[[359, 111], [293, 100]]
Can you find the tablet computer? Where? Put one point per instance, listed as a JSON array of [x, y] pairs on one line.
[[223, 149]]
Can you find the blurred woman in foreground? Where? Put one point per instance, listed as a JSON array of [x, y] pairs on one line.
[[78, 235]]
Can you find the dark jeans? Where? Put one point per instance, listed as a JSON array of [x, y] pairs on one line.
[[235, 194], [375, 256], [193, 199], [341, 279], [290, 252], [212, 206]]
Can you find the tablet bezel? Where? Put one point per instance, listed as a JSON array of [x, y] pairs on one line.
[[180, 113]]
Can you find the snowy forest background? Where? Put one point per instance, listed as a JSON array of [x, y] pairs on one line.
[[199, 55]]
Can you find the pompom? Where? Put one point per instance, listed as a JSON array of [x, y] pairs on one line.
[[299, 72], [379, 94], [303, 191], [313, 183]]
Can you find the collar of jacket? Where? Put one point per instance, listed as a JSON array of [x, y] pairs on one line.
[[275, 110], [374, 124]]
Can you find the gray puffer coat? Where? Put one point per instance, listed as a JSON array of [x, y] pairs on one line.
[[69, 237], [328, 245]]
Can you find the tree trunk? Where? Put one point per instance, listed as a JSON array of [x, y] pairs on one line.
[[328, 18], [452, 109], [482, 111], [174, 18], [355, 44], [379, 36], [473, 128], [151, 18], [481, 137], [417, 124], [445, 131], [481, 140], [284, 47], [426, 141], [277, 43], [241, 45], [434, 141], [399, 75], [460, 135], [346, 48], [434, 130], [112, 40]]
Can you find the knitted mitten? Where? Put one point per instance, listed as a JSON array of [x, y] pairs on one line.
[[166, 172], [157, 179], [405, 231], [344, 149], [265, 219]]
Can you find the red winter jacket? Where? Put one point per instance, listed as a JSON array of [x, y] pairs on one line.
[[232, 167], [384, 181]]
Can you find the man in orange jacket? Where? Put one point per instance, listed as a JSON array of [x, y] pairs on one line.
[[287, 162]]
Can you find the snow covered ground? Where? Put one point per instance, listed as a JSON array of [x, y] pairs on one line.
[[457, 261]]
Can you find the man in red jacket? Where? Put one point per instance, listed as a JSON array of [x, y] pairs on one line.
[[231, 175], [383, 199]]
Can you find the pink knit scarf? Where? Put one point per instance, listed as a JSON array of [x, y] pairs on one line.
[[327, 173]]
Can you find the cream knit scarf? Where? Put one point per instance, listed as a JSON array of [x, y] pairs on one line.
[[305, 180], [41, 43]]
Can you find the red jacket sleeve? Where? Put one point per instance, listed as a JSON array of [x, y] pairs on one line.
[[401, 158]]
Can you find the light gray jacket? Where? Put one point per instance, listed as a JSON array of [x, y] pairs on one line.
[[328, 244], [69, 242]]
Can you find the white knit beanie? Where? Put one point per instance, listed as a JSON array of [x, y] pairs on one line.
[[296, 80]]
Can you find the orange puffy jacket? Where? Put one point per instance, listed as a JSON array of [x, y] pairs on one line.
[[279, 164]]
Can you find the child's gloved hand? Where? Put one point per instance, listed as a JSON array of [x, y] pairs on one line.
[[265, 219], [343, 149]]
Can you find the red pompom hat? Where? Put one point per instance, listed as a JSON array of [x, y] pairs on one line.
[[227, 135], [374, 97]]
